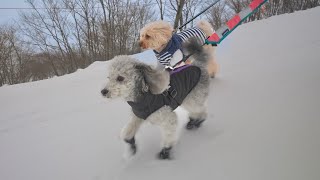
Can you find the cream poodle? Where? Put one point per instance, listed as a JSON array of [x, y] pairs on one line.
[[160, 37]]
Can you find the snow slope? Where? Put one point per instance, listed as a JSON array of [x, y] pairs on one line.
[[263, 122]]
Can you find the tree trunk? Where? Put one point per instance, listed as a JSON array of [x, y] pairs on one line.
[[179, 13]]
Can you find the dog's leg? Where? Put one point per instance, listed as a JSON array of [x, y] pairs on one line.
[[167, 121], [168, 128], [196, 117], [129, 131], [133, 146], [213, 67]]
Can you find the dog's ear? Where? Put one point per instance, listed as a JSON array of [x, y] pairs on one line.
[[147, 36], [154, 80]]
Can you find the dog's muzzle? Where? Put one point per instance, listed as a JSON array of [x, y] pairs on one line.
[[142, 45]]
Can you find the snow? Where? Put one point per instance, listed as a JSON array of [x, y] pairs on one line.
[[263, 117]]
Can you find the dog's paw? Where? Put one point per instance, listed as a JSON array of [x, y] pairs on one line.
[[128, 153], [133, 149], [132, 145], [194, 123], [165, 153]]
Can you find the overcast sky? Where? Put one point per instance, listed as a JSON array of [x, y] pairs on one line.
[[7, 15]]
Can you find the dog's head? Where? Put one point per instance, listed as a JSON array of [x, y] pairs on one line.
[[155, 35], [129, 78]]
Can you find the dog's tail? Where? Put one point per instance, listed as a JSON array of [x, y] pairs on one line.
[[196, 52]]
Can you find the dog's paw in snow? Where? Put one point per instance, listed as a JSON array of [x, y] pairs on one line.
[[131, 148], [194, 123], [165, 153]]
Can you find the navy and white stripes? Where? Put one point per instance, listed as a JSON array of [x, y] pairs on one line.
[[165, 56], [193, 32]]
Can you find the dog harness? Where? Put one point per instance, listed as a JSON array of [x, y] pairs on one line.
[[182, 81], [175, 43]]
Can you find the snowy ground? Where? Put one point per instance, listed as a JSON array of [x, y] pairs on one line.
[[263, 123]]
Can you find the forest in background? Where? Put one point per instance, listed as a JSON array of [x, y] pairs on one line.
[[57, 37]]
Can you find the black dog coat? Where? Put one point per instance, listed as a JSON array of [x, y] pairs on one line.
[[182, 81]]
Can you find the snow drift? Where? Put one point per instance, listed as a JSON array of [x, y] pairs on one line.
[[263, 120]]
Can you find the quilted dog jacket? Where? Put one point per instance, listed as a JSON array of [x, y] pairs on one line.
[[182, 81]]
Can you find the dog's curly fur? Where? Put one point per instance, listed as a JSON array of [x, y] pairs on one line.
[[128, 78], [156, 35]]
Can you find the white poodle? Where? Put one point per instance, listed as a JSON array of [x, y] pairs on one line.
[[154, 94]]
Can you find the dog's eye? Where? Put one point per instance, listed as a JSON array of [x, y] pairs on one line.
[[147, 36], [120, 78]]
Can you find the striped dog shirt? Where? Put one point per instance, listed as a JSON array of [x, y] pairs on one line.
[[175, 43]]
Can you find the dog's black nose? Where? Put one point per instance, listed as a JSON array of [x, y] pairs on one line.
[[104, 92]]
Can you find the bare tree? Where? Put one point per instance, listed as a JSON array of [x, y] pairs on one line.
[[181, 11], [180, 4], [161, 5], [14, 57], [276, 7], [6, 60], [75, 33], [219, 14]]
